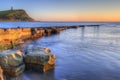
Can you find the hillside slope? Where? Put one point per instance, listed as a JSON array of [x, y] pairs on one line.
[[14, 15]]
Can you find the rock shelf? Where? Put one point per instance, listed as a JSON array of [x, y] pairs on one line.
[[15, 62], [9, 38], [15, 36]]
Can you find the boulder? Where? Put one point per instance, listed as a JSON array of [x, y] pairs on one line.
[[14, 71], [11, 62], [1, 74], [39, 58]]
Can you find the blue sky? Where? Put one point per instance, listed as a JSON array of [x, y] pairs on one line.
[[67, 10]]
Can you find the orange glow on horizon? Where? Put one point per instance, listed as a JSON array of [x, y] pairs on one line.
[[98, 17]]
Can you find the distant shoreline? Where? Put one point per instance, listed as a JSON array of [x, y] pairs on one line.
[[64, 21]]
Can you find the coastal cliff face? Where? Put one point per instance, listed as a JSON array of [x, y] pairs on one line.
[[15, 15]]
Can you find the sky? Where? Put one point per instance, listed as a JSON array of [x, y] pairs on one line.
[[67, 10]]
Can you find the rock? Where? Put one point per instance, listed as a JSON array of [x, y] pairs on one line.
[[38, 67], [1, 74], [11, 62], [15, 71], [10, 58], [37, 58], [1, 31], [47, 50]]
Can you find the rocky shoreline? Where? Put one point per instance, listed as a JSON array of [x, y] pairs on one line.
[[11, 37], [14, 61], [15, 36]]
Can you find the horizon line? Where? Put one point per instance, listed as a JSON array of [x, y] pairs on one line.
[[77, 21]]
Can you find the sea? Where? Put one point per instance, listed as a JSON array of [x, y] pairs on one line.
[[85, 53]]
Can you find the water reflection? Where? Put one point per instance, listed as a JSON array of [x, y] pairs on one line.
[[87, 53], [35, 75], [96, 31], [82, 32]]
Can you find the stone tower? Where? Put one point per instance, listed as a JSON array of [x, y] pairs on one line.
[[11, 8]]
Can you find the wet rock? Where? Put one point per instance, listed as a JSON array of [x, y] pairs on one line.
[[1, 31], [11, 62], [39, 67], [17, 34], [48, 32], [38, 58], [1, 74], [11, 58], [47, 50], [14, 71]]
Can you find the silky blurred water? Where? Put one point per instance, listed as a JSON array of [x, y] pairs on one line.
[[86, 53]]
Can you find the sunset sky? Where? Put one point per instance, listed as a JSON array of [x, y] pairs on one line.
[[67, 10]]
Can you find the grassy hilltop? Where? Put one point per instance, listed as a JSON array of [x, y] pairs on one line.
[[15, 15]]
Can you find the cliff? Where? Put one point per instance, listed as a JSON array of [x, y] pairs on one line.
[[15, 15]]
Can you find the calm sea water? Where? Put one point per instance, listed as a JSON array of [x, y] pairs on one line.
[[88, 53], [42, 24]]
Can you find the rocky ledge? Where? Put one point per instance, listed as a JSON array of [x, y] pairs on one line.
[[15, 62], [9, 38]]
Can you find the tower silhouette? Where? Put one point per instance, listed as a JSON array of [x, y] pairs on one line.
[[11, 8]]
